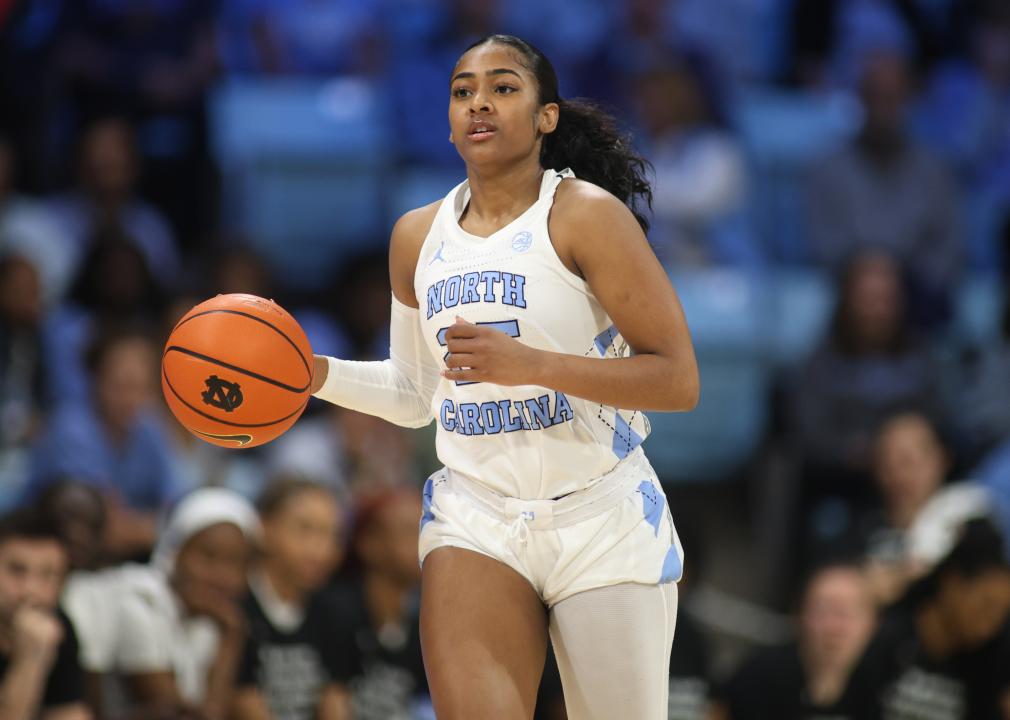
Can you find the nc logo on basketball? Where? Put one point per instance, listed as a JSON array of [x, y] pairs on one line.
[[522, 241], [222, 394]]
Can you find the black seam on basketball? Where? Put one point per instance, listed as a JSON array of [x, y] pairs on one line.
[[270, 325], [236, 368], [200, 412]]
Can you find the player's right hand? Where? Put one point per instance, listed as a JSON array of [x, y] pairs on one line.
[[37, 634]]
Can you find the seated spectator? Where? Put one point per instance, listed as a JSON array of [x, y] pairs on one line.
[[154, 62], [939, 654], [106, 197], [910, 465], [296, 662], [382, 609], [183, 628], [114, 442], [26, 230], [867, 368], [77, 511], [700, 175], [885, 192], [815, 676], [41, 675], [23, 394], [114, 286], [173, 631]]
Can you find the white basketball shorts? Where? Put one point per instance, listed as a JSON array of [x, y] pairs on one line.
[[618, 530]]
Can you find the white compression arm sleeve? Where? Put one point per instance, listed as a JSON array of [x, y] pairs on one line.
[[399, 389]]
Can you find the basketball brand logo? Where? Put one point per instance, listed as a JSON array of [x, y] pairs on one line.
[[522, 241], [438, 254], [222, 394]]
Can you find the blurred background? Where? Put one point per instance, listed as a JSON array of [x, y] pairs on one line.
[[832, 202]]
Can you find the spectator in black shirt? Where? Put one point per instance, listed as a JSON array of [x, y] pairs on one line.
[[941, 653], [296, 665], [381, 610], [41, 675], [813, 678]]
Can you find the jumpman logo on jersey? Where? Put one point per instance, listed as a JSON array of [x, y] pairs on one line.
[[438, 255]]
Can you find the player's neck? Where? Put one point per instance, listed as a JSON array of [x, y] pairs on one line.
[[385, 598], [498, 196]]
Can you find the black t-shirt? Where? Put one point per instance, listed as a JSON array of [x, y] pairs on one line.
[[772, 684], [293, 668], [65, 683], [912, 685], [389, 671], [689, 676]]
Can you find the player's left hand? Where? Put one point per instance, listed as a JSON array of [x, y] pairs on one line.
[[481, 353]]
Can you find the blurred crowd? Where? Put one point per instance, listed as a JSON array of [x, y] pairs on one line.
[[862, 146]]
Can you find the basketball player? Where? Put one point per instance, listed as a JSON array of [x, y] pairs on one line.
[[527, 308]]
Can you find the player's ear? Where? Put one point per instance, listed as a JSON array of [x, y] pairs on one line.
[[450, 139], [548, 120]]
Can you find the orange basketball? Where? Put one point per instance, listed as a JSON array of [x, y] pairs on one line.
[[236, 370]]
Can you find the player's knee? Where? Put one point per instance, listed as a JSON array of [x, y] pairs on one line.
[[472, 691]]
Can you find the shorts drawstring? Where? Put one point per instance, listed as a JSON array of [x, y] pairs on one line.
[[519, 528]]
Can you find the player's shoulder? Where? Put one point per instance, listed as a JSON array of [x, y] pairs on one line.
[[414, 225], [585, 214], [584, 203], [405, 243]]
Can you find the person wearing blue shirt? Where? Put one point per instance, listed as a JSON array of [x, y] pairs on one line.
[[114, 441]]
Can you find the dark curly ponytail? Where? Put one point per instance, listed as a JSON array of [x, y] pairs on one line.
[[587, 138]]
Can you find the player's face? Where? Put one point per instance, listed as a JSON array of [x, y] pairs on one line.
[[301, 538], [32, 572], [495, 115]]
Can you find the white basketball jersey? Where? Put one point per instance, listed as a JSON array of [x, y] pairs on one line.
[[526, 441]]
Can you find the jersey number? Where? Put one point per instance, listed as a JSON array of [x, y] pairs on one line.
[[509, 327]]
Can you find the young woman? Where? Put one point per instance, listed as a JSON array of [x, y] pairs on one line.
[[943, 651], [179, 633], [516, 300], [378, 601], [293, 633]]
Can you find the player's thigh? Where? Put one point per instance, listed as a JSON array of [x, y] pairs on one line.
[[484, 636], [613, 648]]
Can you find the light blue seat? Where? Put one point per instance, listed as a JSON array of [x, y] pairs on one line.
[[801, 305], [978, 309], [720, 434], [727, 314], [784, 132], [303, 162]]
